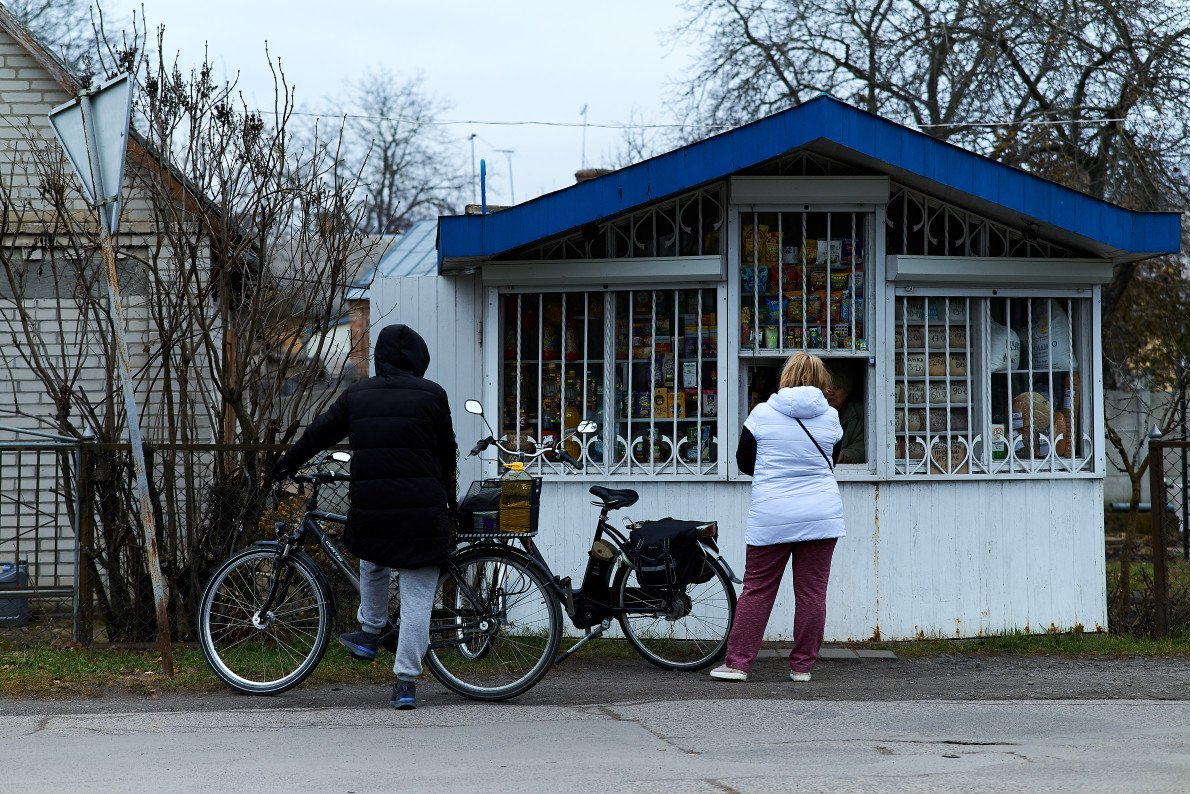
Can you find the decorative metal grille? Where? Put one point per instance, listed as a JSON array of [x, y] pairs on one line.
[[922, 225], [802, 277], [805, 163], [643, 364], [688, 225], [989, 386]]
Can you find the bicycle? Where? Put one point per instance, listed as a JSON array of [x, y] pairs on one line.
[[495, 630]]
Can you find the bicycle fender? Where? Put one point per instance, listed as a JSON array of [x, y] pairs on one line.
[[315, 567], [713, 552], [512, 551]]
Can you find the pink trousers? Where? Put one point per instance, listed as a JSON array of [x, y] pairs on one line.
[[763, 570]]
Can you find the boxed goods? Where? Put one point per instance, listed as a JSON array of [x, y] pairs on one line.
[[710, 403]]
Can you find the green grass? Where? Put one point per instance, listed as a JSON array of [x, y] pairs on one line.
[[1019, 644], [62, 670]]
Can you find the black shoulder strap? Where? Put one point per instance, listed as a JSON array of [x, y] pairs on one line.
[[825, 457]]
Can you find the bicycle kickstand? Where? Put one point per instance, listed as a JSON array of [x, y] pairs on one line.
[[590, 635]]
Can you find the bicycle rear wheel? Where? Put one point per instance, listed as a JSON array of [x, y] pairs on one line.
[[264, 654], [495, 628], [677, 628]]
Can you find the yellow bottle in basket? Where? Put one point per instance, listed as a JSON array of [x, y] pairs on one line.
[[516, 499]]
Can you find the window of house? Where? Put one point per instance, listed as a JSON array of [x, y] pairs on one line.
[[642, 363], [991, 385], [802, 287]]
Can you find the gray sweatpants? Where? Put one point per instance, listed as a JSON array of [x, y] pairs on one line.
[[417, 600]]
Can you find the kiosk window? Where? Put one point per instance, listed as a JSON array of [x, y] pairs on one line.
[[641, 363], [991, 385]]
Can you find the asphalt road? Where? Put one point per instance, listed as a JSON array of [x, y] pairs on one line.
[[938, 724], [741, 745]]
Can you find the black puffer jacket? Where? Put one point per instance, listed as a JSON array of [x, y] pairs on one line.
[[403, 456]]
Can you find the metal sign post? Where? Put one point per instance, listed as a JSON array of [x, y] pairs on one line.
[[93, 131]]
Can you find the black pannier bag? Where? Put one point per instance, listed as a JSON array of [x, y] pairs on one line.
[[666, 553]]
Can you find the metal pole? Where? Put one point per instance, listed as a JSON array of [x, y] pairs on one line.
[[85, 520], [474, 181], [116, 314], [1157, 499]]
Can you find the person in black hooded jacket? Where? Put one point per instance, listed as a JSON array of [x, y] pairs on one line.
[[403, 483]]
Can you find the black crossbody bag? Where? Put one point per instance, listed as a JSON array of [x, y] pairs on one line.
[[825, 457]]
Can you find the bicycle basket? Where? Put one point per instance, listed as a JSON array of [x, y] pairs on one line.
[[480, 514]]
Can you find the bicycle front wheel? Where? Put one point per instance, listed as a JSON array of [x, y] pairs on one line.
[[264, 653], [495, 628], [681, 628]]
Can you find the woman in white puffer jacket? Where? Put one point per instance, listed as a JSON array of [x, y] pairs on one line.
[[787, 445]]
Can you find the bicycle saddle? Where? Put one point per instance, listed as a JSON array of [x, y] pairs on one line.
[[615, 499]]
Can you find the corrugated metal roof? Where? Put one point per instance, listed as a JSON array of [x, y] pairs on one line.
[[412, 253], [908, 155]]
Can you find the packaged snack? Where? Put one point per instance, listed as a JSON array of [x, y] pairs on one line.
[[754, 236], [755, 279], [839, 280], [710, 403], [816, 307], [818, 279], [642, 401], [689, 373], [789, 254], [771, 253], [793, 337], [851, 250], [791, 277], [814, 337], [795, 307]]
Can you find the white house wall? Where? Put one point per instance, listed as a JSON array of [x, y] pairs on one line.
[[947, 559], [446, 312]]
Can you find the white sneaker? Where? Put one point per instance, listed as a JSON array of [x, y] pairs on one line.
[[796, 676], [725, 673]]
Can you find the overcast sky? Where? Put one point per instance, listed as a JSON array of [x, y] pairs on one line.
[[517, 60]]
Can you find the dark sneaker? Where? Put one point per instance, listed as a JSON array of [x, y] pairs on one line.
[[361, 644], [404, 695]]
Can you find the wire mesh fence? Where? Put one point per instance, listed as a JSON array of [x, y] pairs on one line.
[[1169, 463], [38, 538], [72, 558]]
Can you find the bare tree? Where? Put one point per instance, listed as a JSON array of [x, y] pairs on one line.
[[410, 168], [234, 250], [65, 26], [1091, 93]]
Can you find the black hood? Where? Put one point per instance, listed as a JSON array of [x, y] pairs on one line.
[[401, 349]]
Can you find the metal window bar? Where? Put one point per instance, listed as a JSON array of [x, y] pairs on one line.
[[651, 391], [755, 282], [805, 288], [540, 355], [780, 281], [827, 308]]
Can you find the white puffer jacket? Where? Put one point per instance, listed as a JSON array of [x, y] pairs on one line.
[[794, 493]]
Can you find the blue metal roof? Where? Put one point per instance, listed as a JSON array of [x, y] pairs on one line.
[[411, 254], [1106, 228]]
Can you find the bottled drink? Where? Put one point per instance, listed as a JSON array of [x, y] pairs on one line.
[[516, 499]]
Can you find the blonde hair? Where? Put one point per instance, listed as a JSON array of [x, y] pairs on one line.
[[803, 369]]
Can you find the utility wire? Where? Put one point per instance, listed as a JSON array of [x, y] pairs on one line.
[[675, 125]]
